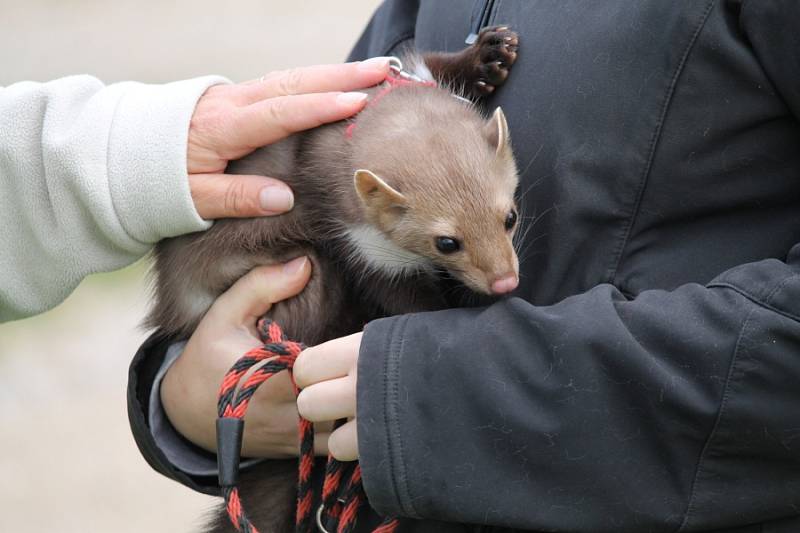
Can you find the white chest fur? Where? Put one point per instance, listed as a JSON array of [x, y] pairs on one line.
[[382, 255]]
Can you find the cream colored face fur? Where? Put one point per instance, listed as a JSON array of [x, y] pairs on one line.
[[445, 199]]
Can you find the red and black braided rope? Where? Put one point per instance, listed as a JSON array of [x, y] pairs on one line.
[[340, 504]]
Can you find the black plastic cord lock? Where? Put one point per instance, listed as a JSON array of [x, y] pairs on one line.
[[229, 449]]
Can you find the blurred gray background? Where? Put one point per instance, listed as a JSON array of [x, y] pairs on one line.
[[67, 458]]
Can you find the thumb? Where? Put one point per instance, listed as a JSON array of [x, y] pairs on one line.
[[238, 196], [255, 292]]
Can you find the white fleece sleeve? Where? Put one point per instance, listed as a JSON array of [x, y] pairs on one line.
[[91, 176]]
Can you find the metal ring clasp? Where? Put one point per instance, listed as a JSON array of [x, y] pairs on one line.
[[320, 509], [395, 64]]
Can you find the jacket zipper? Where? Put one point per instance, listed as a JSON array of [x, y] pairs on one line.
[[481, 21]]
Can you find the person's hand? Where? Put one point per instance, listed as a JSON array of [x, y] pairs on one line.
[[230, 121], [327, 375], [189, 390]]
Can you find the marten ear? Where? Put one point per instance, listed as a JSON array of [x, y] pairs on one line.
[[496, 130], [375, 192]]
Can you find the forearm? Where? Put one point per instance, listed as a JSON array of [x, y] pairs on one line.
[[596, 414], [90, 177]]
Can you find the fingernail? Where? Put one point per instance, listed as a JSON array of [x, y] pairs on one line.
[[294, 266], [374, 63], [351, 98], [275, 198]]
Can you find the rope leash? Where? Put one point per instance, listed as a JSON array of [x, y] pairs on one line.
[[340, 502]]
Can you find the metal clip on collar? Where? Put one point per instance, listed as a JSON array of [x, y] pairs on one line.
[[396, 66]]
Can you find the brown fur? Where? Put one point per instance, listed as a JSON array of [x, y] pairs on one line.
[[420, 164]]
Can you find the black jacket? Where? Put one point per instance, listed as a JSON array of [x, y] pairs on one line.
[[646, 378]]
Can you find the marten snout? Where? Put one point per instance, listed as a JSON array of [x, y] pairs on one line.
[[505, 283], [502, 274], [494, 267]]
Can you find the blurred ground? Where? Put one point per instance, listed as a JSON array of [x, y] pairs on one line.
[[68, 461]]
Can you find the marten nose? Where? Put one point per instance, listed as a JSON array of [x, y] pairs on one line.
[[505, 283]]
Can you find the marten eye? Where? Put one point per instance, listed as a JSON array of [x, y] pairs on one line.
[[447, 245], [511, 219]]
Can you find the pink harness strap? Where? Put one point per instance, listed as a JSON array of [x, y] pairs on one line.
[[392, 82]]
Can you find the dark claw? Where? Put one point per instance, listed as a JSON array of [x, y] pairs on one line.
[[483, 87]]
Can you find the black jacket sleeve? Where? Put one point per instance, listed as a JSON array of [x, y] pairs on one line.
[[671, 411]]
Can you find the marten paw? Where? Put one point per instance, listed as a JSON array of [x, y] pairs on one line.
[[495, 52]]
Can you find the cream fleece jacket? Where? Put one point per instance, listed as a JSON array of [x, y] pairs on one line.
[[91, 176]]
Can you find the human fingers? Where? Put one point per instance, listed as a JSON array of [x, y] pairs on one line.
[[231, 121], [316, 79], [271, 424], [328, 400], [273, 433], [237, 196], [271, 120], [255, 292], [329, 360], [343, 442]]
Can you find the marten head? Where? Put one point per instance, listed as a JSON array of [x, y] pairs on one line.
[[437, 180]]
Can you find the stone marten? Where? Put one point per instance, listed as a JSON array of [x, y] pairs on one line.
[[413, 196]]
